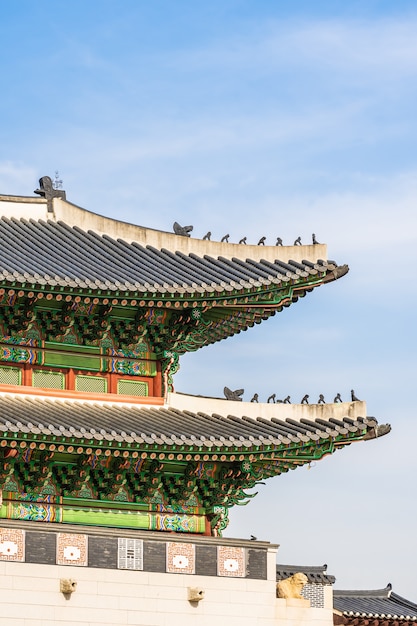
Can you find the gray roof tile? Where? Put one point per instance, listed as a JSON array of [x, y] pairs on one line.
[[78, 418], [380, 603], [314, 573], [46, 252]]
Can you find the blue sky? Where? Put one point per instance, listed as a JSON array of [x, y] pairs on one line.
[[256, 118]]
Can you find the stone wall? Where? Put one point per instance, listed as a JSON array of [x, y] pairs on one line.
[[133, 577]]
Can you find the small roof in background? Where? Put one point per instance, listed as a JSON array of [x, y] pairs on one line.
[[380, 604], [314, 573]]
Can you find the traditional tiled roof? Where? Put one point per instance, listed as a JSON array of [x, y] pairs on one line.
[[315, 573], [53, 253], [381, 604], [205, 291], [106, 424], [168, 451]]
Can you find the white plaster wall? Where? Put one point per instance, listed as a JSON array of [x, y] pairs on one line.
[[30, 596], [328, 596]]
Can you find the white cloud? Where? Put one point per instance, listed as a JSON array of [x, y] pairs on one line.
[[378, 44]]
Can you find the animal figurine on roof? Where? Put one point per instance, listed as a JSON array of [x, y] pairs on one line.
[[243, 240], [271, 398], [225, 239], [338, 398], [183, 231], [315, 242], [207, 236], [279, 241], [297, 242], [255, 398], [261, 242], [233, 395], [305, 399], [287, 400], [354, 398], [321, 399]]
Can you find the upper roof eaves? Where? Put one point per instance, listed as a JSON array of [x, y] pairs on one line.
[[21, 207]]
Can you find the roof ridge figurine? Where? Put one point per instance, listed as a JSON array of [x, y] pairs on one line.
[[353, 396], [233, 395], [183, 231]]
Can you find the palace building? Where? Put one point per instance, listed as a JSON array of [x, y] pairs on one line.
[[115, 489]]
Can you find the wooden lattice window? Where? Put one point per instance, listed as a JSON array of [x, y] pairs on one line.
[[10, 376], [132, 388], [48, 379], [92, 384]]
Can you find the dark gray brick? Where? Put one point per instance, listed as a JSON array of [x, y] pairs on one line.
[[40, 547], [256, 567], [102, 552], [154, 556], [206, 560]]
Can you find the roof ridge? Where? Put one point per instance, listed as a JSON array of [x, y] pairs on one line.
[[363, 593]]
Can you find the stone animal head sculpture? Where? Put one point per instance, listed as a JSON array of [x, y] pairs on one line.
[[292, 587]]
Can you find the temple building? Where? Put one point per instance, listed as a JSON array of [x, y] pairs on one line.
[[115, 489]]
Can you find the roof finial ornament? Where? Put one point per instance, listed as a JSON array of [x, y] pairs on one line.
[[225, 239], [279, 241], [305, 399], [255, 398], [261, 242], [287, 400], [338, 398], [354, 398], [315, 242], [271, 398], [297, 242], [321, 399], [233, 395], [207, 236], [243, 240], [183, 231], [48, 191]]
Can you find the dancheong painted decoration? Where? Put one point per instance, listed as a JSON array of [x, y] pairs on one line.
[[94, 316]]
